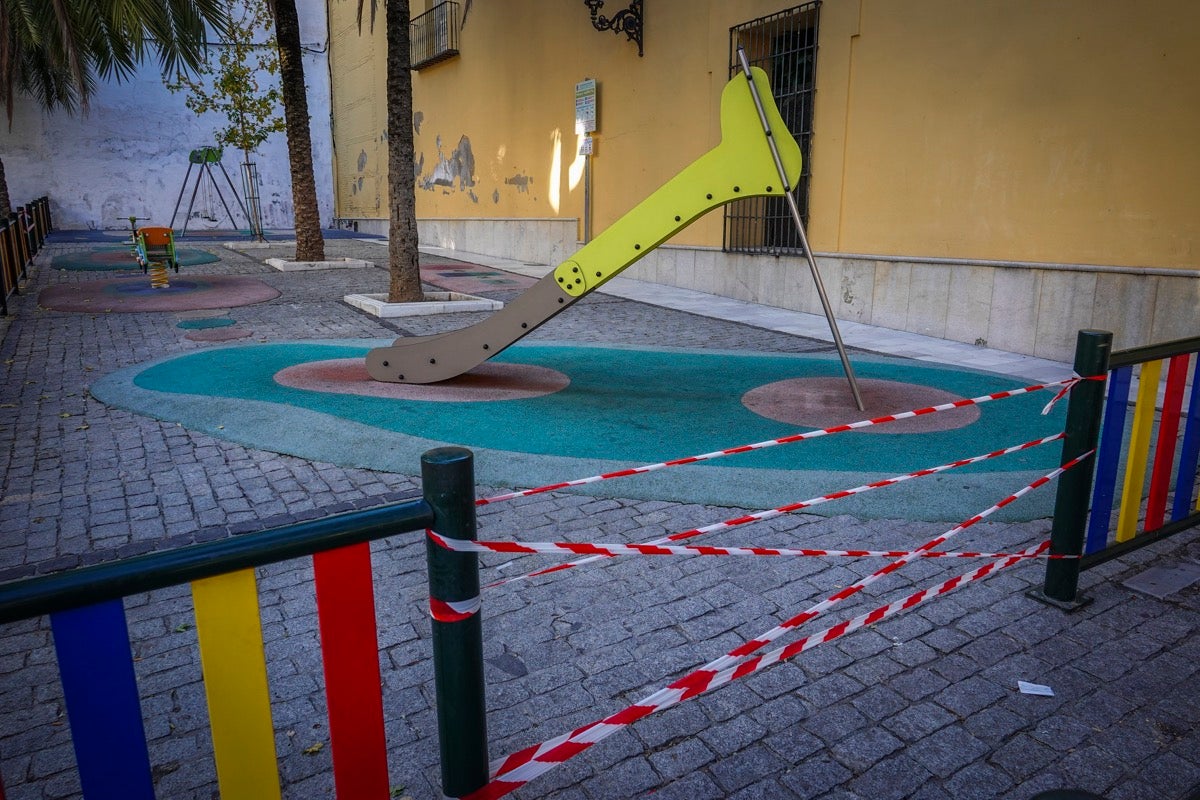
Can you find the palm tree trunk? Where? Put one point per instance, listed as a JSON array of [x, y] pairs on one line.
[[310, 243], [403, 263]]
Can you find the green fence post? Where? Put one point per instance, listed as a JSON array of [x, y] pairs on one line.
[[449, 481], [1084, 409]]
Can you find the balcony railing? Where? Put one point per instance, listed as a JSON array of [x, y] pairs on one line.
[[433, 36]]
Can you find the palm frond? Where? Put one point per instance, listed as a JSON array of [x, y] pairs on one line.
[[374, 8]]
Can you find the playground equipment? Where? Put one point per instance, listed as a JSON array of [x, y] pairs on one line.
[[95, 651], [204, 158], [133, 240], [155, 249], [757, 156]]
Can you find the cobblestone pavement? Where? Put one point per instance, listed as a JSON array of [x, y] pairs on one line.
[[923, 705]]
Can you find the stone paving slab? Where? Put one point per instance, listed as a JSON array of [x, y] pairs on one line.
[[923, 705]]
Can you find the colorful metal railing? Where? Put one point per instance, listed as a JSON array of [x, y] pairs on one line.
[[1147, 467], [1154, 467], [96, 667]]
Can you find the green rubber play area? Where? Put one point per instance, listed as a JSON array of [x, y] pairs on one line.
[[552, 412]]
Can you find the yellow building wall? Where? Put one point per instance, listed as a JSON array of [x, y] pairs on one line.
[[1024, 130], [511, 94], [994, 129], [358, 83]]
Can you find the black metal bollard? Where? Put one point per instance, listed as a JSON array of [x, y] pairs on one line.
[[1084, 409], [449, 480]]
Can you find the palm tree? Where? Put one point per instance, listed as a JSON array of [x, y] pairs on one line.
[[310, 242], [403, 259], [404, 270], [56, 52]]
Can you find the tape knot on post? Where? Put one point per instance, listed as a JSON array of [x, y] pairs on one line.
[[1068, 385], [454, 610]]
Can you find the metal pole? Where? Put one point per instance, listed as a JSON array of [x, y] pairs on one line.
[[1084, 409], [448, 477], [217, 186], [187, 215], [587, 198], [795, 211], [179, 199], [232, 189]]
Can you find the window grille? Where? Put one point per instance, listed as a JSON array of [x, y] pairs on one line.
[[784, 45], [433, 36]]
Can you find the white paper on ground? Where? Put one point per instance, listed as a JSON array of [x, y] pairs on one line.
[[1035, 688]]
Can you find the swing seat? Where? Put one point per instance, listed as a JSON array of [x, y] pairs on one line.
[[157, 245]]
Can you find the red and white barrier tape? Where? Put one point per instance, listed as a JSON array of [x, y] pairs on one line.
[[698, 680], [792, 507], [525, 765], [453, 610], [757, 643], [610, 550], [866, 423]]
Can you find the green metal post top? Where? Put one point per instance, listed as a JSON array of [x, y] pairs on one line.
[[447, 474]]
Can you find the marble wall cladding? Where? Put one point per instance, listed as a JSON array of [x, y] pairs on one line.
[[683, 265], [853, 295], [706, 270], [969, 304], [1124, 304], [656, 267], [928, 298], [890, 307], [1176, 309], [651, 268], [783, 283], [737, 278], [1022, 308], [1015, 297], [1064, 307], [831, 279], [532, 241]]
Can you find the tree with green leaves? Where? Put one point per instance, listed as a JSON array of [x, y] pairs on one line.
[[239, 84], [57, 52]]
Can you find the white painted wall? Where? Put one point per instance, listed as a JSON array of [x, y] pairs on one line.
[[129, 156]]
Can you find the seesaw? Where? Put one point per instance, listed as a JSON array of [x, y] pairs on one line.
[[757, 156]]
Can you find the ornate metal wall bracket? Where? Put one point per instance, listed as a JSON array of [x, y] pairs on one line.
[[628, 21]]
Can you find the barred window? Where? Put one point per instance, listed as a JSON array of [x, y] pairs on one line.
[[433, 36], [784, 45]]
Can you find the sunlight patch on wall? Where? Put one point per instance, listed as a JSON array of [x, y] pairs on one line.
[[555, 187]]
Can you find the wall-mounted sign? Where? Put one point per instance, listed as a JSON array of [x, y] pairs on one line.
[[585, 106], [588, 146]]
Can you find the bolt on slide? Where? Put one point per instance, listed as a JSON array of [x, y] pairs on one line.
[[742, 165]]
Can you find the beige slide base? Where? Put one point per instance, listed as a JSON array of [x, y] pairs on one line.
[[429, 359]]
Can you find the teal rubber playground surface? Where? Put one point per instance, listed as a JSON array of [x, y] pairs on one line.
[[623, 407], [114, 257]]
